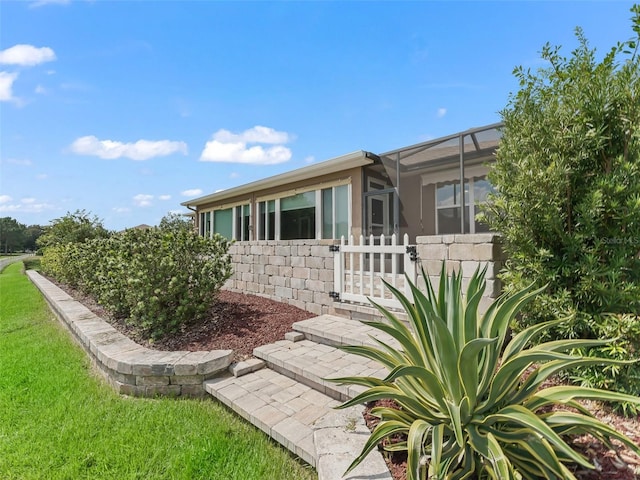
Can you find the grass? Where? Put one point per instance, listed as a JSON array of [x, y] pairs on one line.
[[59, 421]]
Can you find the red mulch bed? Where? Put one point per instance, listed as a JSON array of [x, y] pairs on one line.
[[237, 322]]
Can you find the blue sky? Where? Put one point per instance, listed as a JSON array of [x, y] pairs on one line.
[[126, 109]]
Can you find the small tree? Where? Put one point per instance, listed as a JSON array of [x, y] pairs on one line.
[[567, 175], [76, 227], [176, 222]]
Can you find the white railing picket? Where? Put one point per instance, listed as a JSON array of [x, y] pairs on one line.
[[353, 283]]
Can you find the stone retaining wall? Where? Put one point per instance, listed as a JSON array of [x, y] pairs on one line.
[[130, 368], [300, 272], [297, 272], [466, 253]]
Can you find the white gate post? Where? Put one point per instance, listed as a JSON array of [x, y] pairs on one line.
[[338, 269], [410, 265]]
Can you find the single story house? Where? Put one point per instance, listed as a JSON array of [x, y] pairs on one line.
[[286, 227], [415, 190]]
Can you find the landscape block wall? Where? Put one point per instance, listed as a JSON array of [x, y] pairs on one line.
[[466, 253], [300, 272], [297, 272]]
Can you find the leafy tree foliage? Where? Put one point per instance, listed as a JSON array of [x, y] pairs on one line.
[[32, 233], [12, 235], [567, 175], [76, 227], [176, 222]]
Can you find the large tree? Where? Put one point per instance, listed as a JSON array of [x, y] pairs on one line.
[[32, 233], [567, 175], [12, 235]]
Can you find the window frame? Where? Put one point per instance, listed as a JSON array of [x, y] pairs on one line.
[[317, 189], [244, 229], [469, 198]]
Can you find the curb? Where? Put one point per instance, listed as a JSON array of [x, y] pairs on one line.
[[132, 369]]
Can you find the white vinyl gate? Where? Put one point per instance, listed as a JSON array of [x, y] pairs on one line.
[[359, 269]]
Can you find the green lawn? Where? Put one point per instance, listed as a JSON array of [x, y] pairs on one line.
[[59, 421]]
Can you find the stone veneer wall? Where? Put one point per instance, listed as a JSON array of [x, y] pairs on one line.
[[300, 272], [466, 252], [297, 272]]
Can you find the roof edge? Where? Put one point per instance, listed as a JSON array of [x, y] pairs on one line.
[[343, 162]]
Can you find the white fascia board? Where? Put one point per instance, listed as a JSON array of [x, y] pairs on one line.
[[344, 162]]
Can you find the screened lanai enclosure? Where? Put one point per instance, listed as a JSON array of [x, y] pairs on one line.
[[420, 189], [432, 188]]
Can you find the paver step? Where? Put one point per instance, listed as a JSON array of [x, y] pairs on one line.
[[313, 363], [302, 420], [337, 331]]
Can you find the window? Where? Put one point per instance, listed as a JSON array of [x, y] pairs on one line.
[[243, 222], [205, 224], [335, 212], [448, 205], [320, 213], [223, 222], [267, 220], [298, 216]]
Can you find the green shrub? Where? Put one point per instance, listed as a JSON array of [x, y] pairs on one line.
[[567, 176], [61, 262], [172, 277], [470, 398], [159, 279]]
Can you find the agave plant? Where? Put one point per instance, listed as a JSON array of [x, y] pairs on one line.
[[471, 400]]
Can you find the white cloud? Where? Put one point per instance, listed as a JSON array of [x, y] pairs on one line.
[[226, 146], [140, 150], [26, 205], [257, 134], [310, 159], [26, 55], [42, 176], [142, 200], [194, 192], [216, 151], [6, 86], [40, 3], [234, 175], [41, 90], [164, 197], [121, 209], [441, 112]]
